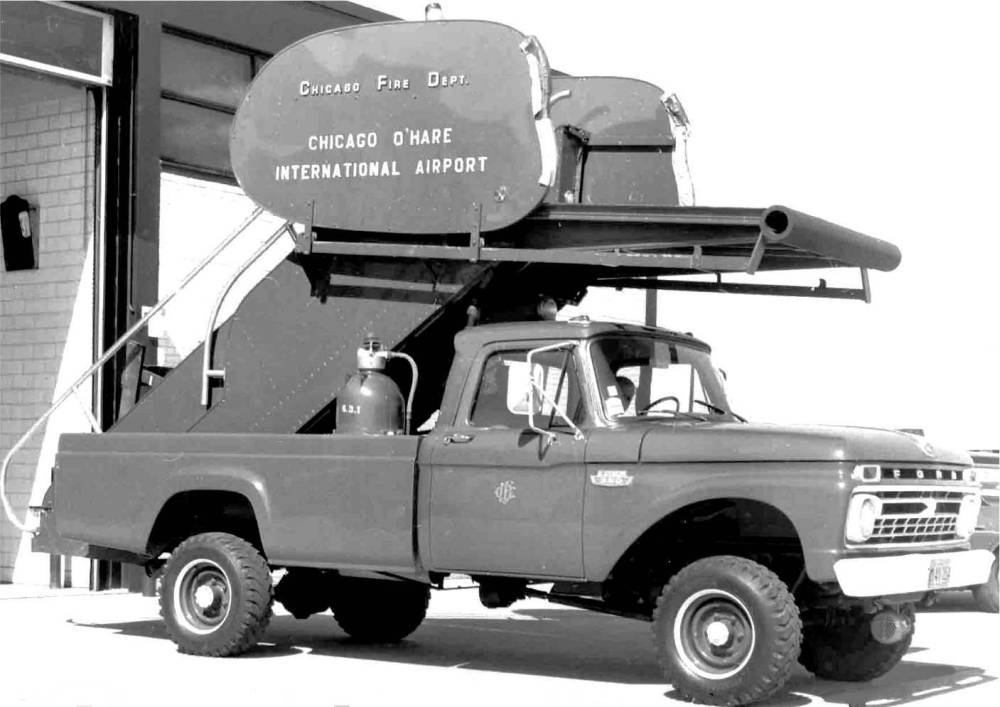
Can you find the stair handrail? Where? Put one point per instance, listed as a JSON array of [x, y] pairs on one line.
[[207, 372], [71, 390]]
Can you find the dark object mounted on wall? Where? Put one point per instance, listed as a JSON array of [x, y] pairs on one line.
[[18, 239]]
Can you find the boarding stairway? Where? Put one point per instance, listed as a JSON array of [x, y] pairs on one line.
[[276, 364]]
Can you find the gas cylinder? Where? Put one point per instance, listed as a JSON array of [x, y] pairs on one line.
[[370, 402]]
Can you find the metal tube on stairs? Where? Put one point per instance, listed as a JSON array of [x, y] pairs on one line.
[[207, 372], [104, 358]]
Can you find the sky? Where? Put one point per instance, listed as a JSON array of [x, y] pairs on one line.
[[882, 117]]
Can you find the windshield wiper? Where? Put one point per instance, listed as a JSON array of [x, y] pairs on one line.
[[722, 411]]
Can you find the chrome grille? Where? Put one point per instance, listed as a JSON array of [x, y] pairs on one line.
[[918, 515], [907, 530]]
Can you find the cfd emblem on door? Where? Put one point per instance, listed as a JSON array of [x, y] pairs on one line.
[[505, 492]]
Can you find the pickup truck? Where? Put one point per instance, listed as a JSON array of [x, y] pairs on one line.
[[602, 458]]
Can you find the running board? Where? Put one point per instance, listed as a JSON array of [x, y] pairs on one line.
[[584, 603]]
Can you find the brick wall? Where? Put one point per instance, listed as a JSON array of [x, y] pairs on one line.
[[46, 157]]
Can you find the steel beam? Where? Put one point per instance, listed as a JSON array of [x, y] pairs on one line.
[[820, 291], [557, 256]]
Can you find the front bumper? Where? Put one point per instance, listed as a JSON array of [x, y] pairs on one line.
[[907, 574]]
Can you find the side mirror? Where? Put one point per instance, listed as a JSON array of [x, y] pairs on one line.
[[539, 395], [521, 396], [725, 376]]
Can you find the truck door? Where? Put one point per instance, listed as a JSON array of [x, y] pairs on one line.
[[503, 497]]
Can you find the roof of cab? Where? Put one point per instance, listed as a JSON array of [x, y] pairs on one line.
[[479, 336]]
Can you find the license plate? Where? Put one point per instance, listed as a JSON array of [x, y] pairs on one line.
[[939, 574]]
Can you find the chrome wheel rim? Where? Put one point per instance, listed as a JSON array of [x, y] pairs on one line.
[[202, 596], [714, 634]]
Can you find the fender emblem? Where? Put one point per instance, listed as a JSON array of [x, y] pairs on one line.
[[505, 492], [611, 477]]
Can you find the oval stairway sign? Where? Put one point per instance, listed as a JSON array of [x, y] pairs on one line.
[[401, 127]]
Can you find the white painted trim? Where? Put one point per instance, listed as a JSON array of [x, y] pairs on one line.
[[107, 50], [53, 70]]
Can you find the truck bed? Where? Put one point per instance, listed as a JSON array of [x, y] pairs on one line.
[[341, 501]]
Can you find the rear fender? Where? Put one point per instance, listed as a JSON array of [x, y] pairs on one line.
[[233, 479]]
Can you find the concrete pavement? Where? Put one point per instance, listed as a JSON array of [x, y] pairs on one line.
[[106, 650]]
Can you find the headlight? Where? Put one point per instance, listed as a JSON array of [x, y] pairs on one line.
[[861, 515], [967, 515]]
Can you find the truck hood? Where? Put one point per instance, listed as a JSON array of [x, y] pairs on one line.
[[756, 442]]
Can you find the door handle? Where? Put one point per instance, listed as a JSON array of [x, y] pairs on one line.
[[459, 438]]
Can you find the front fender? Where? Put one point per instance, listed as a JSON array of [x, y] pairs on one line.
[[813, 495]]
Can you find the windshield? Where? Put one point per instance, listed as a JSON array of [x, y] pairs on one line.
[[641, 376]]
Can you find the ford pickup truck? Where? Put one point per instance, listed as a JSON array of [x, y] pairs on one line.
[[602, 458]]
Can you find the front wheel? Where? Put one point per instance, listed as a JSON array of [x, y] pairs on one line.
[[727, 631], [843, 647], [216, 595]]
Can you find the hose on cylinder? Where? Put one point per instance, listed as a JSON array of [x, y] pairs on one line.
[[413, 387]]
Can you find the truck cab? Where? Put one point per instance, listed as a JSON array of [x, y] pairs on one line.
[[527, 407]]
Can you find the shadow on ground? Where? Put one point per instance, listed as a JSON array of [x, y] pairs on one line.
[[567, 644], [951, 602], [909, 682]]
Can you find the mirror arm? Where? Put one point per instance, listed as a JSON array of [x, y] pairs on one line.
[[577, 432]]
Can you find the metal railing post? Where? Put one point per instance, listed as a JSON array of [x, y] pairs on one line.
[[104, 358], [207, 372]]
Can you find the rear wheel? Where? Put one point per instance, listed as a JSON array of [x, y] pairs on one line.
[[727, 631], [986, 594], [304, 592], [216, 595], [379, 611], [844, 648]]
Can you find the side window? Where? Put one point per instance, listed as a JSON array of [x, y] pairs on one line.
[[504, 393]]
